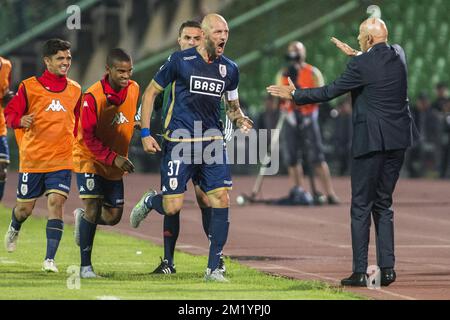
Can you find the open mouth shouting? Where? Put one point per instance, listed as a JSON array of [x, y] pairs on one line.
[[220, 47]]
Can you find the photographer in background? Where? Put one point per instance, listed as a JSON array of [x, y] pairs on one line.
[[301, 132]]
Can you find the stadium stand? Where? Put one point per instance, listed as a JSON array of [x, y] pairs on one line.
[[260, 31]]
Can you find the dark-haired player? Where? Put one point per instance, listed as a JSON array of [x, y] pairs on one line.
[[101, 151], [44, 113]]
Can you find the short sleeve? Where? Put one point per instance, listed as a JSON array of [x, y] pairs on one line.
[[167, 72], [234, 79]]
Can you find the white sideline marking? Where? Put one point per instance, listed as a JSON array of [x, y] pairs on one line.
[[7, 261], [275, 266], [412, 246], [107, 298]]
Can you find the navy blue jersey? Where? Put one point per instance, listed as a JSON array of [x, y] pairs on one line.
[[197, 88]]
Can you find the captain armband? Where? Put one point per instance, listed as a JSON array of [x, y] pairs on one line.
[[232, 95]]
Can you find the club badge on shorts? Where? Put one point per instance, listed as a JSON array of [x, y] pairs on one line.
[[90, 184], [24, 189], [173, 183], [223, 70]]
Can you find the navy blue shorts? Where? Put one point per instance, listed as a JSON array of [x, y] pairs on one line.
[[182, 161], [33, 185], [4, 149], [93, 186]]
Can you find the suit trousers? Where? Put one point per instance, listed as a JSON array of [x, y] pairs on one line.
[[373, 179]]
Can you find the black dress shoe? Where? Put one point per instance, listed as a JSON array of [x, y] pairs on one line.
[[357, 279], [333, 200], [388, 276]]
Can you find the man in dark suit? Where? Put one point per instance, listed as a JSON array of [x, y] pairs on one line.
[[382, 129]]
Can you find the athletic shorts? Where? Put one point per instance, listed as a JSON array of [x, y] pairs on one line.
[[4, 149], [206, 162], [93, 186], [33, 185], [302, 141]]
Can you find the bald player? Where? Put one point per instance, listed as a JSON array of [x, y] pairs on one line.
[[200, 77], [383, 129], [189, 35]]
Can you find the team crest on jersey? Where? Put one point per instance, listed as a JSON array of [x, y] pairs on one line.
[[55, 106], [173, 183], [24, 189], [223, 70], [119, 118], [90, 184]]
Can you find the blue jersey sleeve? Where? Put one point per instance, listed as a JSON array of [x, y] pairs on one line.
[[168, 71], [234, 79]]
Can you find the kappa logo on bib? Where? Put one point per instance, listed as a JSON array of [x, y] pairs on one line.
[[119, 118], [55, 106]]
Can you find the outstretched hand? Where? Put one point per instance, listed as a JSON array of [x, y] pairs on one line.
[[345, 48], [282, 91]]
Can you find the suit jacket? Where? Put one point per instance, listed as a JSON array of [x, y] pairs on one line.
[[377, 80]]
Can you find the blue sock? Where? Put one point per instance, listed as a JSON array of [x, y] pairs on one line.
[[155, 203], [16, 224], [2, 189], [87, 233], [218, 234], [171, 232], [54, 233], [206, 219]]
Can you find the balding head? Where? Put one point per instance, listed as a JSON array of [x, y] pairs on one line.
[[371, 32], [212, 19], [215, 29]]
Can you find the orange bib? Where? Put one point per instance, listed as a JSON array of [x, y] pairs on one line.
[[47, 145], [115, 126], [305, 79]]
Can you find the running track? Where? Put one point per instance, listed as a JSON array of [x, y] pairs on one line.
[[309, 242]]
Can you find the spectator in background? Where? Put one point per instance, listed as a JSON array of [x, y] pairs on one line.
[[441, 96], [268, 118], [445, 138], [343, 134], [422, 156]]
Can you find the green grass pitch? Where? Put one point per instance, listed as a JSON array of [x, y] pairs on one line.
[[126, 273]]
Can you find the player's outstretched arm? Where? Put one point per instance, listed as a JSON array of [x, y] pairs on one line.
[[236, 115], [148, 99]]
